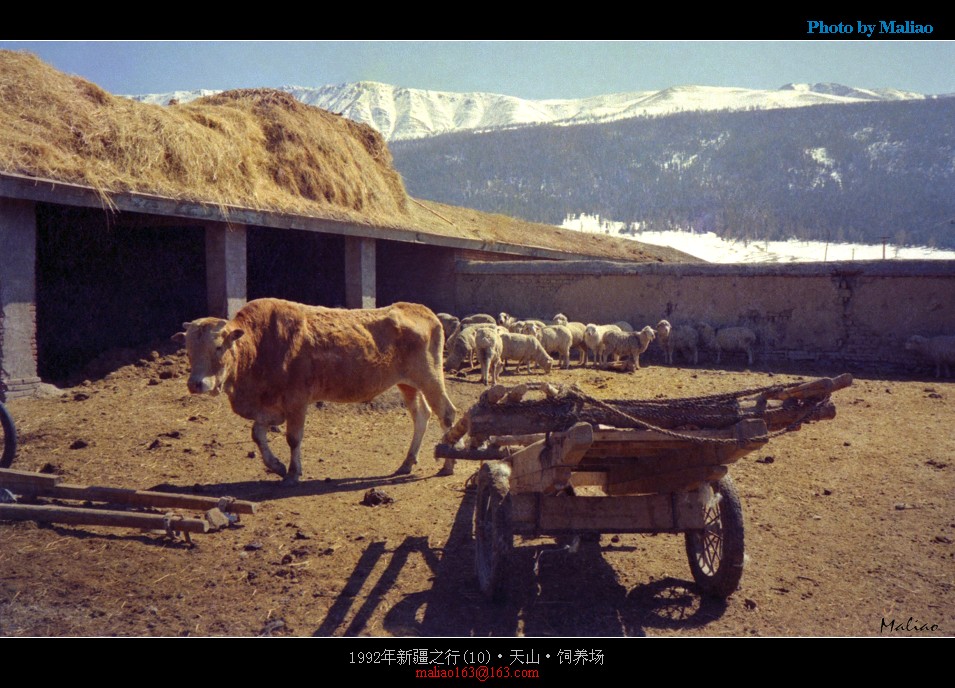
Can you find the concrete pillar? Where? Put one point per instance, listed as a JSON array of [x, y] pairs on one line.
[[225, 269], [359, 272], [18, 370]]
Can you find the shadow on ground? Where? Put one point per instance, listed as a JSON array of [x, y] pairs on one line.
[[571, 595]]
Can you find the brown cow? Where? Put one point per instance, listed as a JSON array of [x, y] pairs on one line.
[[275, 358]]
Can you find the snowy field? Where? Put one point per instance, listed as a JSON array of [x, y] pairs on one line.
[[709, 247]]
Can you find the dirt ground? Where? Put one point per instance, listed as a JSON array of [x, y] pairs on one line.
[[849, 523]]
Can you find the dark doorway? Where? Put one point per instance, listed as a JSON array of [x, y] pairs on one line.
[[105, 281], [307, 267]]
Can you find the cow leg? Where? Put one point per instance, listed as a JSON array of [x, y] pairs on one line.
[[437, 399], [294, 431], [260, 431], [420, 414]]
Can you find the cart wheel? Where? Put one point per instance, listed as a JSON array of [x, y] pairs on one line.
[[493, 531], [9, 436], [716, 552]]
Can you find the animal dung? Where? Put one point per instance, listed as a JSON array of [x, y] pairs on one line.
[[375, 497]]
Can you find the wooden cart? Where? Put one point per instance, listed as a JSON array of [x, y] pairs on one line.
[[661, 466]]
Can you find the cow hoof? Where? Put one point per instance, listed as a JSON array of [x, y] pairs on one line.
[[445, 471], [278, 469], [404, 469], [290, 480]]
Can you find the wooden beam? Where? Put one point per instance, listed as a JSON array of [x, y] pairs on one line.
[[566, 451], [101, 517], [42, 485], [62, 193], [815, 388], [449, 451], [619, 483], [533, 514], [158, 500], [589, 479], [526, 468], [11, 478]]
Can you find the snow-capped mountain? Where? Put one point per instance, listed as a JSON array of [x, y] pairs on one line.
[[408, 113]]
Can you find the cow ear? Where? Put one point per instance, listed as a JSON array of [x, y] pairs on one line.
[[179, 337], [186, 325], [231, 337]]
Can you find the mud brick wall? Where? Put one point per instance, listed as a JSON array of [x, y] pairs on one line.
[[423, 274], [856, 314], [18, 343]]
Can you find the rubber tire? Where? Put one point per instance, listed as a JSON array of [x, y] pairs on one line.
[[9, 438], [493, 529], [717, 552]]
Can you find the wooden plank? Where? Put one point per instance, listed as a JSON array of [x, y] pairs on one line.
[[519, 440], [447, 451], [547, 467], [751, 431], [779, 418], [566, 451], [615, 436], [642, 447], [100, 517], [589, 479], [571, 446], [618, 483], [540, 515], [10, 478], [669, 460], [647, 466], [815, 388], [159, 500], [526, 468]]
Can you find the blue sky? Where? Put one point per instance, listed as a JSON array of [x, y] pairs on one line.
[[527, 69]]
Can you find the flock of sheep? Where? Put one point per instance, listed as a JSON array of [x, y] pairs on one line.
[[493, 342]]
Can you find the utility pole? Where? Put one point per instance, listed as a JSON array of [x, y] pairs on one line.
[[884, 240]]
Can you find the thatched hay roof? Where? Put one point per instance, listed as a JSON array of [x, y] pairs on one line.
[[258, 149]]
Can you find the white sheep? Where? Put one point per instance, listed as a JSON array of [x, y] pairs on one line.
[[663, 330], [489, 348], [478, 318], [524, 349], [939, 350], [619, 344], [529, 327], [728, 339], [450, 323], [686, 340], [593, 339], [461, 345], [682, 338], [557, 339], [515, 324], [577, 330]]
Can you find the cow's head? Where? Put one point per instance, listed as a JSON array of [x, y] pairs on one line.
[[207, 341]]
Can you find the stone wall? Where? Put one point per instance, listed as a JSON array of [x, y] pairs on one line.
[[857, 314]]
